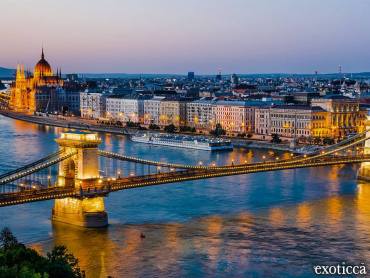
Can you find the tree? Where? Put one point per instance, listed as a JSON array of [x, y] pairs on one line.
[[328, 141], [16, 260], [61, 262], [154, 127], [275, 138], [185, 128], [132, 124], [7, 239], [170, 128], [218, 131]]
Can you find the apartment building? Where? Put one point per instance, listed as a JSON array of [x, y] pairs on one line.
[[234, 116], [92, 105], [199, 114], [125, 109], [262, 121], [172, 112], [152, 110]]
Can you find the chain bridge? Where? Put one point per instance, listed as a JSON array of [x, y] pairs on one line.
[[79, 175]]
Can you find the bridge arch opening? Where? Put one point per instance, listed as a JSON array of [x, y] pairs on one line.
[[70, 172]]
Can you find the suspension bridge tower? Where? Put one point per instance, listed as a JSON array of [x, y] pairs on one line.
[[364, 172], [80, 171]]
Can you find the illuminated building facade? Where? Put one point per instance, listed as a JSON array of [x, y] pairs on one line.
[[345, 115], [37, 92], [92, 105], [125, 109], [262, 121], [152, 110], [199, 114], [235, 117], [172, 112], [294, 121]]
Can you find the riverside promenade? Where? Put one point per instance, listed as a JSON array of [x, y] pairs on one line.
[[92, 125]]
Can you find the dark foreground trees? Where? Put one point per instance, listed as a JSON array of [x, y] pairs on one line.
[[16, 260], [275, 138], [218, 131]]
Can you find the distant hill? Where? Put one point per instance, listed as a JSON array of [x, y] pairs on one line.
[[357, 75], [128, 75], [6, 73]]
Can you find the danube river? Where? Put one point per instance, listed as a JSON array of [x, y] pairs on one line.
[[276, 224]]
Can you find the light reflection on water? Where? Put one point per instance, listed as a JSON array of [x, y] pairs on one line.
[[262, 225], [276, 242]]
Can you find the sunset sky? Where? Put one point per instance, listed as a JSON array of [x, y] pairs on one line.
[[176, 36]]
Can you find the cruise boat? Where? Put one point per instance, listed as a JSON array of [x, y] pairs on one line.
[[183, 141]]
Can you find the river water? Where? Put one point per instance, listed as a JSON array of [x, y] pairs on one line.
[[276, 224]]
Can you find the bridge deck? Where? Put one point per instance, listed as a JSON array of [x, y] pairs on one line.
[[107, 186]]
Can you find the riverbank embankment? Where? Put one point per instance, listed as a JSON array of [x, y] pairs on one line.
[[91, 125]]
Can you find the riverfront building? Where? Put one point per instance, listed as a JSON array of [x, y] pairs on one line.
[[93, 105], [235, 117], [346, 116], [172, 112], [293, 121], [37, 91], [262, 121], [125, 109], [152, 110], [199, 114]]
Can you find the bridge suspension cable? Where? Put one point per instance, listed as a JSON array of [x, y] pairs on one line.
[[50, 156], [301, 158], [187, 175], [149, 162], [35, 166]]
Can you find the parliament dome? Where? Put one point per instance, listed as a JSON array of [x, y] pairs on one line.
[[42, 68]]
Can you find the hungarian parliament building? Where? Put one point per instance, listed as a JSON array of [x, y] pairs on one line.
[[43, 91]]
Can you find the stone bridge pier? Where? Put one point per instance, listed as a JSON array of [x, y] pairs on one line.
[[364, 171], [80, 171]]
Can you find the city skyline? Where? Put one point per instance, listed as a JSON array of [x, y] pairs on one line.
[[160, 37]]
